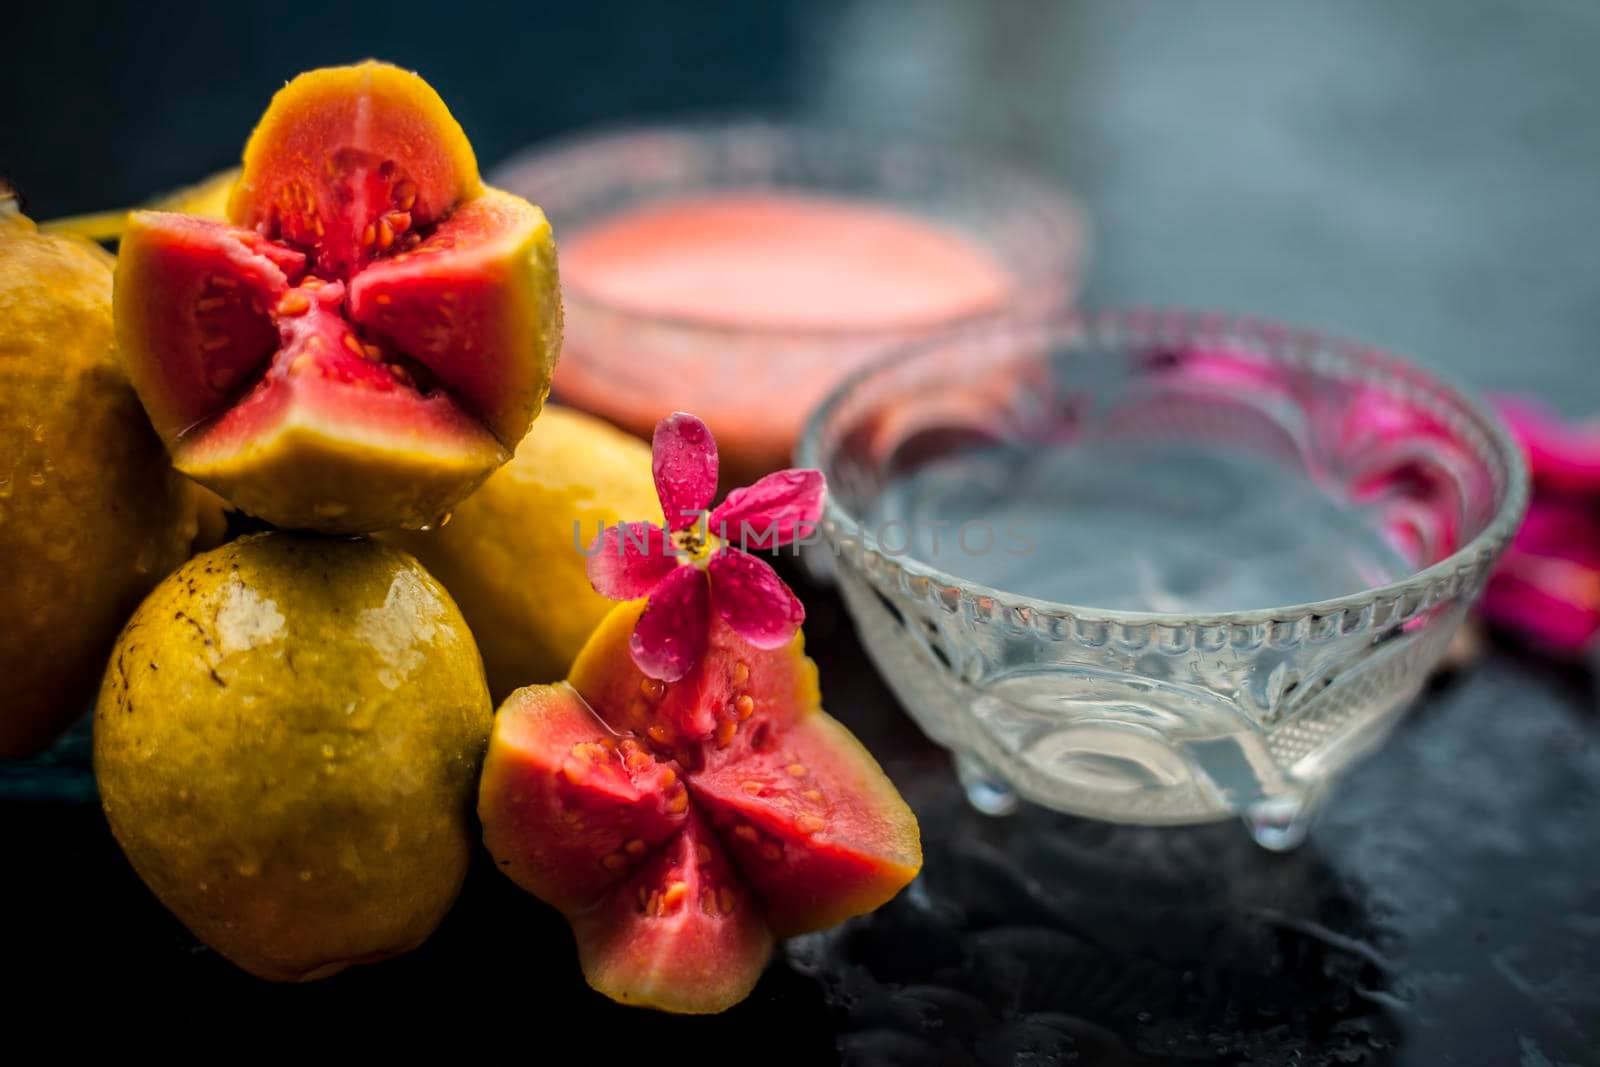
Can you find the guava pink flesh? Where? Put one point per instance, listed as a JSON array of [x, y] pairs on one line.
[[809, 819], [216, 284], [316, 377], [800, 878], [565, 809], [234, 356], [684, 933], [360, 191], [447, 305], [439, 319]]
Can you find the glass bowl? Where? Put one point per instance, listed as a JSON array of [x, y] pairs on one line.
[[754, 384], [1158, 567]]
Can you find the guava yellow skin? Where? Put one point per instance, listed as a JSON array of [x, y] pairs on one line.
[[91, 513], [287, 743], [509, 554]]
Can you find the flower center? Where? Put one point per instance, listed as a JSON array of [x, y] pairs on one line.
[[694, 543]]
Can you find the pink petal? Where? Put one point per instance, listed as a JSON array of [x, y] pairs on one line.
[[1562, 455], [1547, 588], [1564, 526], [1232, 371], [753, 600], [685, 466], [627, 561], [1548, 585], [1374, 418], [773, 512], [670, 637], [1535, 596]]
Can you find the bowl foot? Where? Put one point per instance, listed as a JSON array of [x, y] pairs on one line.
[[1281, 823], [986, 791]]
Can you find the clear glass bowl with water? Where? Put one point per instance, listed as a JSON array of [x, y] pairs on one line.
[[1159, 567]]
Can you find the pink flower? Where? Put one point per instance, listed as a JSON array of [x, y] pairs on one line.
[[681, 570], [1563, 456], [1547, 586]]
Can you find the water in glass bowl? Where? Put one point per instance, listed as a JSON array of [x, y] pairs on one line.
[[1171, 526], [1290, 511]]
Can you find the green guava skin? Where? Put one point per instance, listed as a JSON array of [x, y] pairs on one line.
[[287, 742], [92, 515]]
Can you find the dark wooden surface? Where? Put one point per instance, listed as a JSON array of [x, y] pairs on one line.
[[1444, 911]]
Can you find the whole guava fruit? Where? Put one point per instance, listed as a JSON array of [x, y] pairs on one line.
[[512, 553], [91, 513], [287, 744]]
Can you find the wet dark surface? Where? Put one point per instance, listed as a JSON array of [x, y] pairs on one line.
[[1445, 911], [1420, 175]]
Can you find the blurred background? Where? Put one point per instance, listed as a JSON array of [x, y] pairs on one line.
[[1421, 175]]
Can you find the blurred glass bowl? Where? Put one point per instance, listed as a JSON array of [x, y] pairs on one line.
[[1175, 477], [754, 384]]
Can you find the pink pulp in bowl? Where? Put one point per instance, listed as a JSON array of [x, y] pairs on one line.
[[739, 270], [830, 281], [783, 261]]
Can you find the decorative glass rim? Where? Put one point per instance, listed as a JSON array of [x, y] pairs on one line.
[[1059, 235], [1409, 596]]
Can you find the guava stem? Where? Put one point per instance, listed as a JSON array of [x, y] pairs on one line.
[[95, 226], [205, 199]]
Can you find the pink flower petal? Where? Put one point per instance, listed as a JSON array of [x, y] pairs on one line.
[[1562, 455], [1548, 585], [685, 466], [753, 600], [670, 637], [1562, 526], [1536, 596], [771, 513], [1232, 371], [627, 561]]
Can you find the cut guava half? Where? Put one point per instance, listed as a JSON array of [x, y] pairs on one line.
[[784, 810], [370, 335]]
